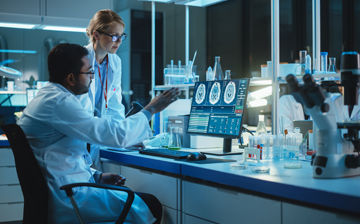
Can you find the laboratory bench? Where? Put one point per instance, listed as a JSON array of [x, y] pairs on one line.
[[198, 192]]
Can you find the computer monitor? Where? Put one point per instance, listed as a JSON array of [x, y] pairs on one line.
[[30, 94], [217, 110]]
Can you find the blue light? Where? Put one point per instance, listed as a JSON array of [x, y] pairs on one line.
[[18, 51]]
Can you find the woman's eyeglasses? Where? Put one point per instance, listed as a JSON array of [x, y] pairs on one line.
[[115, 38]]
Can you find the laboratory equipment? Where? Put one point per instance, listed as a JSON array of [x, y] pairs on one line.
[[195, 156], [164, 140], [323, 61], [227, 75], [166, 153], [337, 154], [218, 73], [308, 64], [174, 139], [311, 140], [217, 110], [261, 129], [210, 74], [332, 65], [300, 69], [181, 122]]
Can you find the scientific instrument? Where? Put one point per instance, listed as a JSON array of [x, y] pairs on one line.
[[227, 75], [261, 129], [332, 65], [337, 154], [300, 69]]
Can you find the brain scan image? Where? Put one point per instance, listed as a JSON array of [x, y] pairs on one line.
[[215, 93], [229, 93], [200, 94]]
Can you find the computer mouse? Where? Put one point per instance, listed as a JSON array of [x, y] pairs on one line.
[[195, 156]]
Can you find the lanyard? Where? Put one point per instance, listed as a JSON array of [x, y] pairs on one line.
[[106, 89]]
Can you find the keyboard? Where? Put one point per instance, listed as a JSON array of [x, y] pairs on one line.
[[167, 153]]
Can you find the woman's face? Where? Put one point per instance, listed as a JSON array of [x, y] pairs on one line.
[[105, 42]]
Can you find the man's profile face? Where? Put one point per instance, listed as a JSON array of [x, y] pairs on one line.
[[84, 77]]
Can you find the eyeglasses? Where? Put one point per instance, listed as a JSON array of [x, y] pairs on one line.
[[91, 72], [115, 38]]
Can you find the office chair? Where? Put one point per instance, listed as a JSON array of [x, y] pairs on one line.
[[33, 184]]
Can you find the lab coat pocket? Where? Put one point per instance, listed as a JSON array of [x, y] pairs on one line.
[[82, 177]]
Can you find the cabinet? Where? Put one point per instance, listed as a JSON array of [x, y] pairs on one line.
[[165, 188], [11, 197], [221, 205]]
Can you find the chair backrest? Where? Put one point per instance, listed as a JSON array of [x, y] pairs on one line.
[[32, 181]]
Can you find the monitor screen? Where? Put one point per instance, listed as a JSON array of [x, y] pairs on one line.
[[217, 109], [30, 94]]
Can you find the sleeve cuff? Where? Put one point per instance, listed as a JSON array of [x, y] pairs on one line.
[[96, 175], [147, 114]]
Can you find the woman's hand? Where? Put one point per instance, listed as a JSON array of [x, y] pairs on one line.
[[111, 178]]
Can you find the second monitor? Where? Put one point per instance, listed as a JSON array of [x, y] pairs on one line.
[[217, 110]]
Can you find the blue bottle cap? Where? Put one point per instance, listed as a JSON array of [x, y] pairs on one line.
[[323, 53]]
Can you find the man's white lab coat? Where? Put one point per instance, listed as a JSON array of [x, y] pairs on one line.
[[58, 128]]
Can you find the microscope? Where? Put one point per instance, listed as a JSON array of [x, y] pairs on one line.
[[337, 144]]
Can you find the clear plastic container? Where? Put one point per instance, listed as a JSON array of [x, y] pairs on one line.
[[323, 61]]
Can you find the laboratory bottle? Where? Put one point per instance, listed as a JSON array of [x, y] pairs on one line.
[[218, 73], [261, 129], [300, 69], [332, 65], [209, 74], [227, 74], [323, 61]]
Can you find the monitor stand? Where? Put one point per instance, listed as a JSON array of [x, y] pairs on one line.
[[226, 149]]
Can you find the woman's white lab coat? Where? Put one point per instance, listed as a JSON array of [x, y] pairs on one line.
[[116, 109], [58, 127], [291, 110]]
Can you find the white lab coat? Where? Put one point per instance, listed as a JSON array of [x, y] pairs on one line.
[[291, 110], [58, 127], [116, 109]]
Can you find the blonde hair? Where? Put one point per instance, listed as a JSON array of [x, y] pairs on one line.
[[102, 20]]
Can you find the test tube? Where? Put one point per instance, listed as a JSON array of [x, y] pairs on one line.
[[323, 61], [308, 64]]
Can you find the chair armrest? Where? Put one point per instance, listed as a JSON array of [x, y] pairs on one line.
[[68, 189]]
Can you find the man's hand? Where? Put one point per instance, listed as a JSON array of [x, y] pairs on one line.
[[111, 178], [160, 102]]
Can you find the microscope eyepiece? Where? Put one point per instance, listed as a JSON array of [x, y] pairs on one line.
[[292, 82]]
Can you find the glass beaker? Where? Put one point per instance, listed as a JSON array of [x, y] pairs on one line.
[[174, 139], [164, 140], [332, 65], [227, 75], [300, 69]]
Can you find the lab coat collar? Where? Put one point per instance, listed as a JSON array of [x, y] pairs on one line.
[[112, 66]]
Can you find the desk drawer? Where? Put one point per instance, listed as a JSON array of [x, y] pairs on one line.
[[165, 188], [11, 193], [6, 157], [11, 212], [227, 206], [8, 175]]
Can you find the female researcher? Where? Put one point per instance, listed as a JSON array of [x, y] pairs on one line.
[[106, 33]]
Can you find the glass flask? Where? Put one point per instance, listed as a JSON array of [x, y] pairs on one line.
[[332, 65], [164, 140], [227, 74], [174, 139], [218, 73], [261, 129], [300, 69]]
